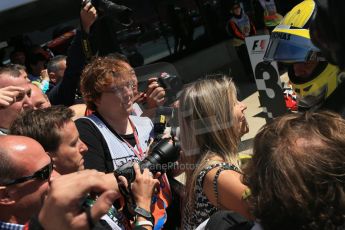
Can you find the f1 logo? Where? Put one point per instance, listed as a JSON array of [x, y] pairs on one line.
[[259, 45]]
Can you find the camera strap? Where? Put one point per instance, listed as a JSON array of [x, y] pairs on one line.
[[140, 154], [85, 43], [129, 204]]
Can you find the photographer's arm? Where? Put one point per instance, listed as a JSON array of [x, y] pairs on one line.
[[142, 189], [88, 16], [64, 92]]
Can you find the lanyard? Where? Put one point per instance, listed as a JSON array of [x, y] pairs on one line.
[[139, 154]]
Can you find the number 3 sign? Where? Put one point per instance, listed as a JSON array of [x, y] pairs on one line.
[[267, 78]]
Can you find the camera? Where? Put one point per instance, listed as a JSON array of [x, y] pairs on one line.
[[119, 13], [102, 39], [163, 154], [172, 84]]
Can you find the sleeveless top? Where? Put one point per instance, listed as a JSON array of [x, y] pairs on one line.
[[203, 208]]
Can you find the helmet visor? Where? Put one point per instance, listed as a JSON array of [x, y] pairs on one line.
[[291, 48]]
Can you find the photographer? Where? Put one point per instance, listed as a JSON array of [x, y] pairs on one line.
[[64, 92], [145, 103], [61, 208], [113, 136]]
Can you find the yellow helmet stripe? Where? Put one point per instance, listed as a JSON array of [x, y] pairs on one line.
[[299, 32]]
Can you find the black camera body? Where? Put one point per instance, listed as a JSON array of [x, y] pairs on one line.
[[111, 17], [172, 84], [163, 155]]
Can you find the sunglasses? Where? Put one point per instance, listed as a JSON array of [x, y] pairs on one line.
[[42, 174], [121, 89]]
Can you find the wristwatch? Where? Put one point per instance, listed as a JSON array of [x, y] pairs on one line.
[[144, 213]]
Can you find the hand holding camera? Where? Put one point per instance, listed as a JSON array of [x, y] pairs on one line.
[[61, 208], [88, 15], [109, 8], [142, 187], [163, 154], [155, 94]]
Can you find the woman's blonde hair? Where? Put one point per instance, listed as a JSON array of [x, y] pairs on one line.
[[208, 127]]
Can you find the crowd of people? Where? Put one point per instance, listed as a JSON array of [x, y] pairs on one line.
[[59, 165]]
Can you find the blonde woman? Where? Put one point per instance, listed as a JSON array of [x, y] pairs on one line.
[[212, 122]]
